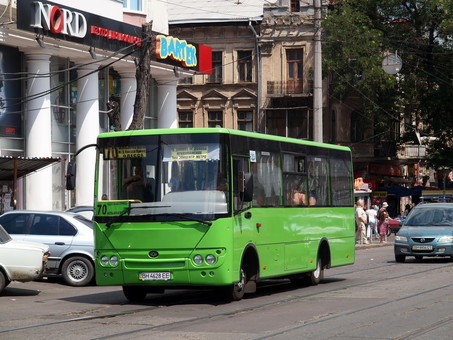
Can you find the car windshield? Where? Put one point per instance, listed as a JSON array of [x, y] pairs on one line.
[[4, 236], [431, 216]]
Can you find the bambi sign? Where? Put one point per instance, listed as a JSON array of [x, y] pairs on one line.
[[59, 20]]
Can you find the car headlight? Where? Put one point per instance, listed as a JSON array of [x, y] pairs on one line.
[[114, 260], [104, 260], [446, 239], [401, 238], [198, 259], [210, 259]]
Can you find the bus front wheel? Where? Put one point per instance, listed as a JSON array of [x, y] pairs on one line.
[[236, 291], [135, 293]]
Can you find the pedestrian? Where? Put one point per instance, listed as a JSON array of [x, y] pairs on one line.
[[407, 209], [372, 223], [382, 209], [382, 223], [361, 220]]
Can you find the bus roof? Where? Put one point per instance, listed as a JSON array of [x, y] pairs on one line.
[[146, 132]]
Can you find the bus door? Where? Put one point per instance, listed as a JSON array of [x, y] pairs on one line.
[[242, 194]]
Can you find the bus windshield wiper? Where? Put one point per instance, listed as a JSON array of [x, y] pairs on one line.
[[109, 224]]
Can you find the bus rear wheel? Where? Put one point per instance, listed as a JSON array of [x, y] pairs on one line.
[[317, 275], [135, 293]]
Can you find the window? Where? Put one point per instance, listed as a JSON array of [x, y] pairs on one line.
[[185, 119], [245, 120], [266, 179], [295, 70], [356, 127], [340, 174], [134, 5], [216, 75], [295, 5], [295, 181], [245, 66], [215, 119]]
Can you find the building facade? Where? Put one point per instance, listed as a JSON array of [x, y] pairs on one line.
[[61, 63], [263, 80]]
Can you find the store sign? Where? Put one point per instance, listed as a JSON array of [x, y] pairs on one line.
[[59, 20], [176, 49], [53, 21]]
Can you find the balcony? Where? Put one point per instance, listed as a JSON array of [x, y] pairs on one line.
[[411, 151], [293, 88]]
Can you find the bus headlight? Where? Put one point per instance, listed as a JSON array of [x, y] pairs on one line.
[[210, 259], [114, 260], [104, 260], [198, 259]]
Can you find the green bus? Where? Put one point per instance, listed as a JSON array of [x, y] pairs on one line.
[[219, 208]]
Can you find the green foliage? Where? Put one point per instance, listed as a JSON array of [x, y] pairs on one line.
[[359, 33]]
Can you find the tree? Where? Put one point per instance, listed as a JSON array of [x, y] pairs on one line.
[[143, 76], [359, 33]]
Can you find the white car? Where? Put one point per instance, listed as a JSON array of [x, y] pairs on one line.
[[20, 260]]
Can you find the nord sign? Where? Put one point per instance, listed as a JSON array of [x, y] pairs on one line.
[[59, 20]]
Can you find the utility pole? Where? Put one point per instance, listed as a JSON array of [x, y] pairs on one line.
[[143, 76], [317, 81]]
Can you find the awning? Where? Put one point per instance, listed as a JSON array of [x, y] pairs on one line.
[[23, 166]]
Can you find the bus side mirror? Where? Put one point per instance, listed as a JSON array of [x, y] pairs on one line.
[[246, 186], [71, 175]]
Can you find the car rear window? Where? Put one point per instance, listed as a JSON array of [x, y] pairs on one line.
[[84, 220]]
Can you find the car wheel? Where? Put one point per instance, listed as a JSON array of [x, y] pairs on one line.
[[77, 271], [400, 258], [2, 281], [135, 293]]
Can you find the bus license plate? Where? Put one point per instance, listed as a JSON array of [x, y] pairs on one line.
[[422, 247], [154, 276]]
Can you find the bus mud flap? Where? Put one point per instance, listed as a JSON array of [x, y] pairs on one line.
[[250, 286]]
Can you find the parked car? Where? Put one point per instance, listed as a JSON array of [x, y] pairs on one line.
[[84, 210], [394, 225], [68, 235], [19, 260], [427, 231]]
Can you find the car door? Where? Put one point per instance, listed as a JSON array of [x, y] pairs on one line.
[[54, 231]]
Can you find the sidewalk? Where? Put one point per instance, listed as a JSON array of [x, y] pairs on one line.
[[375, 243]]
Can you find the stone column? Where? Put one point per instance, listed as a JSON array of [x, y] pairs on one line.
[[38, 137], [167, 116], [87, 130]]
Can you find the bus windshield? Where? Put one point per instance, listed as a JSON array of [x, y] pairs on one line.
[[165, 174]]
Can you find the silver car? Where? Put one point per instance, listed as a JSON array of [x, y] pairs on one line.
[[69, 237]]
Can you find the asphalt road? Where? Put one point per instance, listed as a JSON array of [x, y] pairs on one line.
[[375, 298]]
